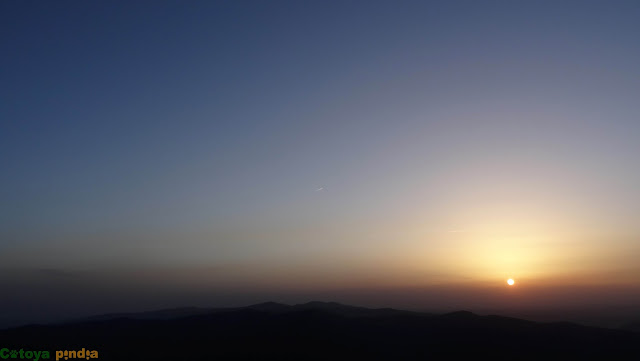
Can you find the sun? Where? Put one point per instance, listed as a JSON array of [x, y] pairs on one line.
[[510, 282]]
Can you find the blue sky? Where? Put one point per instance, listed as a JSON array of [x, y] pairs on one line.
[[455, 140]]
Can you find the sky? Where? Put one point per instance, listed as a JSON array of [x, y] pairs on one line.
[[390, 153]]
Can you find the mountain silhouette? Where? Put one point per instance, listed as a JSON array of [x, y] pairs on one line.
[[323, 331]]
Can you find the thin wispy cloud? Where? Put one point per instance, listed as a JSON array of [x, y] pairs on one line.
[[52, 272]]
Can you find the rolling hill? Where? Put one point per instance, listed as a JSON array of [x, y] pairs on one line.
[[323, 331]]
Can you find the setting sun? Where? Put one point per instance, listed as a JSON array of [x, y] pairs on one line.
[[510, 282]]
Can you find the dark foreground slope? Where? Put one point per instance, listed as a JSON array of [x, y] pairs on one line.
[[326, 331]]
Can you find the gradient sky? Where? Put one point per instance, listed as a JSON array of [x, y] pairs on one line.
[[171, 149]]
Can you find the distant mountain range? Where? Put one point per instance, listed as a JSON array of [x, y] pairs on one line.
[[271, 307], [323, 331]]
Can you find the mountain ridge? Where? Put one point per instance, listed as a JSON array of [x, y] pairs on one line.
[[325, 330]]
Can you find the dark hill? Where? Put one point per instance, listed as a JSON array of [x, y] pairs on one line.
[[326, 331]]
